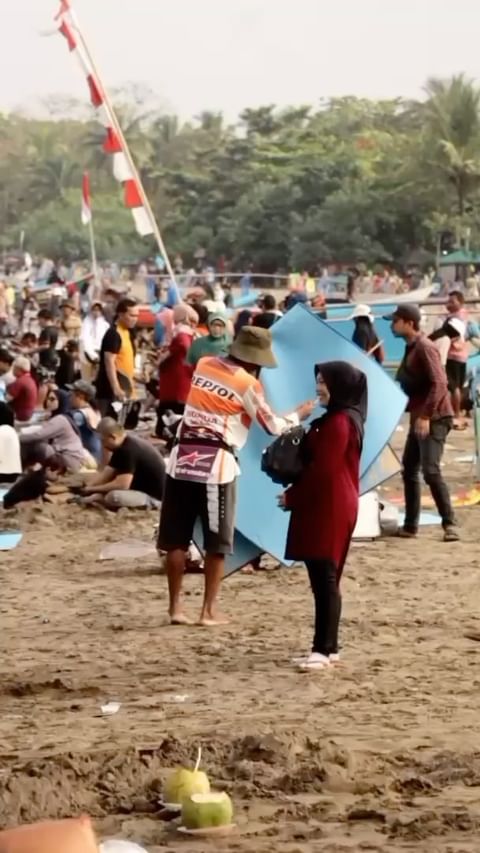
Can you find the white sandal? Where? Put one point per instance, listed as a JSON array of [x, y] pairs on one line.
[[315, 662]]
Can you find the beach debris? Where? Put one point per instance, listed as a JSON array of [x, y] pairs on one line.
[[129, 549], [473, 635], [177, 698], [116, 846], [9, 540], [110, 709]]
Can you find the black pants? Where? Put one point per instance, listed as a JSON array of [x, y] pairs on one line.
[[328, 605], [425, 455]]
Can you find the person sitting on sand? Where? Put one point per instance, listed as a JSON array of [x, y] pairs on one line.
[[10, 460], [135, 475], [35, 482], [6, 375], [85, 416], [324, 500], [23, 393], [57, 436]]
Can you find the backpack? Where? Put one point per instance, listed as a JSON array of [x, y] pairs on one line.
[[283, 460]]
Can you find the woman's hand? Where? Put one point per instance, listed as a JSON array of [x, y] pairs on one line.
[[282, 500]]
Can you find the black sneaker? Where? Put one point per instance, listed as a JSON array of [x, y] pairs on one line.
[[406, 534]]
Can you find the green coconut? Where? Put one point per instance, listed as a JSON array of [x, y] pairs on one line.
[[205, 811], [182, 783]]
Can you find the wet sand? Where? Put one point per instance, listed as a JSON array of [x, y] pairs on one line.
[[379, 754]]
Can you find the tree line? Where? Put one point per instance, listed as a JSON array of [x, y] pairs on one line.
[[351, 180]]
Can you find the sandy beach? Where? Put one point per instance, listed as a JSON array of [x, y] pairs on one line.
[[378, 754]]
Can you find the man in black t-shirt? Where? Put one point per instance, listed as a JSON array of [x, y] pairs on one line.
[[47, 341], [135, 475], [116, 373]]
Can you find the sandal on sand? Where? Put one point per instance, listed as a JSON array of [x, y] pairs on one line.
[[299, 659], [315, 662], [333, 658]]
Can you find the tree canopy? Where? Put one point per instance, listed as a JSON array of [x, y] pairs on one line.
[[351, 180]]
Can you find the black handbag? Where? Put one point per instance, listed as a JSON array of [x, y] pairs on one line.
[[283, 460]]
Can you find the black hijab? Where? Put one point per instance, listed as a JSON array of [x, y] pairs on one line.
[[348, 392], [63, 398], [64, 407]]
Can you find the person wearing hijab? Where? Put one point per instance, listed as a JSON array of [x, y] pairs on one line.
[[364, 335], [58, 436], [10, 460], [216, 342], [175, 375], [324, 500]]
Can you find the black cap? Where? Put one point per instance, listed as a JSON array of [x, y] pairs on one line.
[[408, 312]]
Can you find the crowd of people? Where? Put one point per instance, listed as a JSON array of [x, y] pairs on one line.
[[156, 419]]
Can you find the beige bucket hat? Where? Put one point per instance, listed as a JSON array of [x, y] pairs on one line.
[[253, 345]]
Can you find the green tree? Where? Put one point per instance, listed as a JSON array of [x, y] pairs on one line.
[[452, 113]]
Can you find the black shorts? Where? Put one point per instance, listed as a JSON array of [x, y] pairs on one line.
[[185, 502], [456, 374]]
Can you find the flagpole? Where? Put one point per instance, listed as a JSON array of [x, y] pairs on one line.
[[126, 150], [93, 254]]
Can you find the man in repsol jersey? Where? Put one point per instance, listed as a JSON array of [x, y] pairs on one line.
[[226, 397]]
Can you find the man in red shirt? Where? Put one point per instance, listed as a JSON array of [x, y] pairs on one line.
[[424, 381], [22, 394]]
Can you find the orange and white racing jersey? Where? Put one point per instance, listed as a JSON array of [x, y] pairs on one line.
[[224, 401]]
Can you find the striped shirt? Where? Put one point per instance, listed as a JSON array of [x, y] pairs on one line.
[[223, 403]]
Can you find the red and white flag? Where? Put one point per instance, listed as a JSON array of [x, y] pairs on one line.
[[64, 9], [86, 203], [114, 144]]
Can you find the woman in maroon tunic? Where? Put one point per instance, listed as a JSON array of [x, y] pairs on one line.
[[324, 500]]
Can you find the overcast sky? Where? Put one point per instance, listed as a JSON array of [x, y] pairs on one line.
[[228, 54]]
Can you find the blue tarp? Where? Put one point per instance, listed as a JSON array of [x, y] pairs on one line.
[[301, 340]]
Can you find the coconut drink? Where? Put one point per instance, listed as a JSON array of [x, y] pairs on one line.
[[183, 783], [207, 811]]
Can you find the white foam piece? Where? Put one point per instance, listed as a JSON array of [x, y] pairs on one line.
[[115, 846]]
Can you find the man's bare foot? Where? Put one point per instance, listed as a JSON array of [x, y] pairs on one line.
[[211, 620], [179, 619]]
